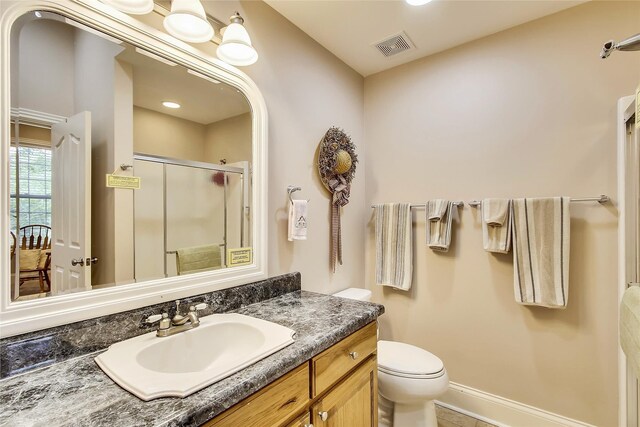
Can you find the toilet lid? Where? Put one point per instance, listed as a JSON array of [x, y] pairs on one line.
[[402, 359]]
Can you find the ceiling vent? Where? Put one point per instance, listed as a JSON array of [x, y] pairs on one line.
[[395, 44]]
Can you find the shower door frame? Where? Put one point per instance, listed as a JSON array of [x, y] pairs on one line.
[[200, 165], [628, 384]]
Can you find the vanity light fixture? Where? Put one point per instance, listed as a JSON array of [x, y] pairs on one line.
[[133, 7], [236, 48], [188, 22], [417, 2], [171, 104]]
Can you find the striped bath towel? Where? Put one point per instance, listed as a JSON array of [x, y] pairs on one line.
[[541, 251], [394, 259]]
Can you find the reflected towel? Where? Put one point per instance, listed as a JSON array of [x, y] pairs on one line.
[[198, 258], [297, 220], [394, 257], [630, 327], [496, 225], [439, 221], [541, 251]]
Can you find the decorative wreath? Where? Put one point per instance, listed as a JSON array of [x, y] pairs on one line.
[[337, 161]]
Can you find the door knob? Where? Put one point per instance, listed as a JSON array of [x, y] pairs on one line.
[[79, 261], [91, 261], [323, 415]]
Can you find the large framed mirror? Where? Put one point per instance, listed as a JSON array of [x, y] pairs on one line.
[[133, 167]]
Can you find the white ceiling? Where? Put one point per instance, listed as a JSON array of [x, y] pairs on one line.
[[349, 28], [202, 101]]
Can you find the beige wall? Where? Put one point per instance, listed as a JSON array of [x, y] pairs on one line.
[[307, 90], [168, 136], [229, 139], [527, 112]]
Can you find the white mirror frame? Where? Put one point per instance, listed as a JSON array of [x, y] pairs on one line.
[[26, 316]]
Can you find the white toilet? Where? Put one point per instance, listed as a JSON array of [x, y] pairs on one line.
[[409, 379]]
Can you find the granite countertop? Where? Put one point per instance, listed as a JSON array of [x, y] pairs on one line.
[[77, 393]]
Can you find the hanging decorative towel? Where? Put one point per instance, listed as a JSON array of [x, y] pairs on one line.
[[337, 166]]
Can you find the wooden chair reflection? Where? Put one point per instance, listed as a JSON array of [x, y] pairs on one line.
[[35, 254]]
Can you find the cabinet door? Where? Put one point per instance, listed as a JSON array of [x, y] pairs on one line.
[[353, 402]]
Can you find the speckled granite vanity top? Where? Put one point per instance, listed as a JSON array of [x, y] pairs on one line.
[[75, 392]]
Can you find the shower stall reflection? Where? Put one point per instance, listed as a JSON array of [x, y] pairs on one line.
[[187, 214]]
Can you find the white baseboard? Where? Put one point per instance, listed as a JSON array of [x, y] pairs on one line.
[[500, 411]]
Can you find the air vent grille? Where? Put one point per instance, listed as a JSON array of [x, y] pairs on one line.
[[395, 44]]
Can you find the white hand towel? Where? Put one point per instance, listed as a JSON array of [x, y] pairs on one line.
[[439, 221], [630, 327], [496, 225], [394, 257], [298, 220], [541, 251]]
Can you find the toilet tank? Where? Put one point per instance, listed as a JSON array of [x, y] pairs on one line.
[[355, 293]]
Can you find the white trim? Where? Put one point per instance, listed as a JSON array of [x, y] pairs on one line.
[[501, 411], [626, 108], [18, 317], [37, 118]]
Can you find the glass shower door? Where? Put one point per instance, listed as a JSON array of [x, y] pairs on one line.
[[195, 211]]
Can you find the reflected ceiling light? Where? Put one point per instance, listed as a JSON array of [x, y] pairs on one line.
[[133, 7], [188, 22], [417, 2], [171, 104], [236, 48], [38, 14]]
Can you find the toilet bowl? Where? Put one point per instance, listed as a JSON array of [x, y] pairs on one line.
[[409, 379]]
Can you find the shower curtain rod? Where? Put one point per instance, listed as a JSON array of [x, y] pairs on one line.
[[603, 198]]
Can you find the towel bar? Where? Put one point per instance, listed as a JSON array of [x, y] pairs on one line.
[[424, 205], [603, 198], [292, 189]]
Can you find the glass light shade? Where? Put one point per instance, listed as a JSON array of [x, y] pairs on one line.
[[236, 48], [188, 22], [417, 2], [132, 7]]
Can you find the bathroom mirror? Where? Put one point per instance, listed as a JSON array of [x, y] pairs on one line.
[[133, 163]]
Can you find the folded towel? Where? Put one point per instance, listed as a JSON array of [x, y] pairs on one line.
[[298, 220], [630, 327], [198, 258], [437, 209], [394, 257], [439, 220], [541, 251], [496, 225]]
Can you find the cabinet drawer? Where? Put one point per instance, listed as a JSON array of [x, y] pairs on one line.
[[272, 405], [333, 363], [302, 421]]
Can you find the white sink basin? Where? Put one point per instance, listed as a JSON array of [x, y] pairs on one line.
[[176, 366]]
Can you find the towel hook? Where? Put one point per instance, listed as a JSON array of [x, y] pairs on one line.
[[292, 189]]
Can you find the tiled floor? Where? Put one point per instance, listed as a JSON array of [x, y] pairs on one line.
[[449, 418]]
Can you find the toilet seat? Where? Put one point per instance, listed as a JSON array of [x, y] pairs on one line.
[[408, 361]]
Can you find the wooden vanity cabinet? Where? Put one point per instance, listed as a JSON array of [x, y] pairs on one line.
[[337, 388]]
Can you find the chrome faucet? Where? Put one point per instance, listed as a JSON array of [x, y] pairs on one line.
[[179, 322]]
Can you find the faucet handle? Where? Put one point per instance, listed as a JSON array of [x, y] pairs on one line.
[[201, 306], [156, 317]]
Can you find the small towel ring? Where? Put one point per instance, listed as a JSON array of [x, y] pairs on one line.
[[292, 189]]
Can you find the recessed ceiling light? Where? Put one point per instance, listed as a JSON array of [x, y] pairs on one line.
[[170, 104], [417, 2]]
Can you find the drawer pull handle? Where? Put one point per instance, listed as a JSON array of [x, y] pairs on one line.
[[323, 415], [354, 355]]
